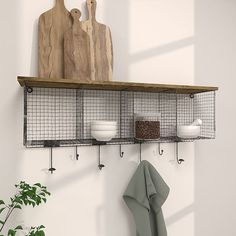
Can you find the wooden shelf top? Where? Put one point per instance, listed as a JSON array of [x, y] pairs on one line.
[[112, 85]]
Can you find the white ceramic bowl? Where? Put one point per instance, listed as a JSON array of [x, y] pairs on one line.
[[103, 122], [103, 135], [189, 131], [103, 127]]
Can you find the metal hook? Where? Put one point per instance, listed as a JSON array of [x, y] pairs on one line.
[[100, 165], [158, 150], [76, 153], [121, 153], [179, 161], [51, 169], [140, 152], [161, 151]]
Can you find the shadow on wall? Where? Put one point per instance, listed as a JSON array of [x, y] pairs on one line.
[[170, 47], [114, 207], [34, 50], [180, 215], [118, 16], [10, 105]]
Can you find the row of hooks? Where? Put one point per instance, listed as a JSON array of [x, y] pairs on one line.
[[101, 166]]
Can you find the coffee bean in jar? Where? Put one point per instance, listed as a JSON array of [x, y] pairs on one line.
[[147, 129]]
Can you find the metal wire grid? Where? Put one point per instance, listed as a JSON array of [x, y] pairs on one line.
[[63, 116], [146, 102], [100, 105], [185, 107], [127, 115], [204, 109], [51, 114], [168, 115], [79, 114]]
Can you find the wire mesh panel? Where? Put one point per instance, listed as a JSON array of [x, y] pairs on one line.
[[100, 105], [199, 106], [146, 102], [51, 115], [62, 117], [79, 114], [168, 108], [185, 107], [127, 115], [204, 109]]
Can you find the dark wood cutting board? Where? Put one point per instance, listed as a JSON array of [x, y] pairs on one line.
[[77, 50], [52, 26], [101, 48]]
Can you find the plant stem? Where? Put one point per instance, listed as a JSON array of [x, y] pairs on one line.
[[7, 217]]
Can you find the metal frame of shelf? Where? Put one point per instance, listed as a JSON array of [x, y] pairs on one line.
[[59, 117], [58, 112]]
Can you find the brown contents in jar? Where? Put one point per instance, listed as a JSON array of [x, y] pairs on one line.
[[147, 129]]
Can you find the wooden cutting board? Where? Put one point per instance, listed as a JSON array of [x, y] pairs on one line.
[[101, 48], [77, 50], [52, 26]]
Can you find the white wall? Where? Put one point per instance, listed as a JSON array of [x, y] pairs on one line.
[[215, 173], [153, 42]]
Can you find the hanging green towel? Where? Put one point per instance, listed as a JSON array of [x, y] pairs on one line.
[[145, 195]]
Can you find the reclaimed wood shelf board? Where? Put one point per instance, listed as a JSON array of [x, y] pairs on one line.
[[112, 85]]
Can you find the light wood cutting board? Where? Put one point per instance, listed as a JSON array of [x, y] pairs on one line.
[[52, 26], [101, 48], [77, 50]]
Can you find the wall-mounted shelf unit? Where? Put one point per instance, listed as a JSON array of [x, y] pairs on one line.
[[58, 112]]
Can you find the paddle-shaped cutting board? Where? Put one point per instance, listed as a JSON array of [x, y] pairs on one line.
[[77, 50], [100, 45], [52, 26]]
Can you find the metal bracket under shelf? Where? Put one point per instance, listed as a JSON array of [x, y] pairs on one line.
[[93, 142]]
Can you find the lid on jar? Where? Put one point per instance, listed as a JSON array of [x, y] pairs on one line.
[[148, 115]]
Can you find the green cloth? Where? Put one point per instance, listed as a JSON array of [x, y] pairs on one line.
[[145, 195]]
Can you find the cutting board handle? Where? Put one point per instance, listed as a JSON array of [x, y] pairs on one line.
[[60, 3], [92, 6], [76, 14]]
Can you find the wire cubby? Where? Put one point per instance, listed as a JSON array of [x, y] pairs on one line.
[[57, 117]]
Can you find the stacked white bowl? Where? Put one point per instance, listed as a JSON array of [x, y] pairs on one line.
[[103, 130], [190, 131]]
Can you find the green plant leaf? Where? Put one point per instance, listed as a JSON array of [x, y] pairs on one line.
[[41, 227], [2, 202], [17, 207], [11, 232], [42, 194], [41, 233], [18, 200], [44, 199], [25, 201], [19, 227], [38, 185], [47, 193], [2, 209]]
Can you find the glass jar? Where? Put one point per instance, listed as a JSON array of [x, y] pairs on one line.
[[147, 126]]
